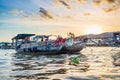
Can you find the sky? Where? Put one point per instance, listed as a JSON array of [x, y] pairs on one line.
[[58, 17]]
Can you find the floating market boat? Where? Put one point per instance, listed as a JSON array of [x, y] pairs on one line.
[[46, 44], [5, 45]]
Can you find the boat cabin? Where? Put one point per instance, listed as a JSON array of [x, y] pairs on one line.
[[21, 38]]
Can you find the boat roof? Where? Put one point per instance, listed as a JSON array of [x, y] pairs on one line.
[[41, 36], [22, 36]]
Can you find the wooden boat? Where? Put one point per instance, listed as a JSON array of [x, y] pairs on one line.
[[5, 45], [72, 46], [43, 44]]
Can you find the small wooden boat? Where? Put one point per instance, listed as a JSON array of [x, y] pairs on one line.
[[5, 45], [43, 44]]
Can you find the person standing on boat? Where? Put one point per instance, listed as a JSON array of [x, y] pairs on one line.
[[71, 35]]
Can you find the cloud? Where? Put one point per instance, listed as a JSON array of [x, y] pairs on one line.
[[17, 12], [81, 0], [64, 3], [61, 13], [110, 9], [111, 1], [45, 13], [114, 5], [87, 14], [68, 1], [117, 3], [97, 2]]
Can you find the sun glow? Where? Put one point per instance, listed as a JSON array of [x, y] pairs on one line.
[[93, 29]]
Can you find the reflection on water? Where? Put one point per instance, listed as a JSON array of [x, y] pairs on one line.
[[58, 67], [5, 64], [28, 66]]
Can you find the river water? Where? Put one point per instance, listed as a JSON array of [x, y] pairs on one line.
[[5, 64], [29, 66], [48, 67]]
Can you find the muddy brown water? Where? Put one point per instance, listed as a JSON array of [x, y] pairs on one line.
[[56, 67]]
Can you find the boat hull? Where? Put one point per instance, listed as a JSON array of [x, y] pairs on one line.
[[44, 49], [75, 48]]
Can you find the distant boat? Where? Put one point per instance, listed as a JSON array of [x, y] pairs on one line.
[[46, 44], [5, 45]]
